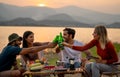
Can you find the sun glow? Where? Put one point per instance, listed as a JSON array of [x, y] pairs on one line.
[[41, 5]]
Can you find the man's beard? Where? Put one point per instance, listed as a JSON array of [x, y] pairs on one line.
[[16, 45]]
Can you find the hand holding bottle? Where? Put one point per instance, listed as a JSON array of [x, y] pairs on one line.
[[59, 39]]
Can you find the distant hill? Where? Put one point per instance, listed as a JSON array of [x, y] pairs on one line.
[[10, 12], [115, 25], [70, 15], [60, 17], [89, 16], [59, 23], [19, 21], [31, 22]]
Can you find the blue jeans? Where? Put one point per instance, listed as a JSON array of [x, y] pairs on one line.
[[94, 69], [76, 65]]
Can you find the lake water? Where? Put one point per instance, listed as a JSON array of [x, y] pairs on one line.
[[43, 34]]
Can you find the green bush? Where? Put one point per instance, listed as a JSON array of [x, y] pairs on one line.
[[117, 46]]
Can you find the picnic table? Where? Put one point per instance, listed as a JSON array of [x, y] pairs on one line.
[[52, 72]]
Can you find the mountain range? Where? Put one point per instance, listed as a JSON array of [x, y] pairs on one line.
[[69, 15]]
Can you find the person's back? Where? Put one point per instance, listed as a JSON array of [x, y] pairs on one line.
[[8, 56]]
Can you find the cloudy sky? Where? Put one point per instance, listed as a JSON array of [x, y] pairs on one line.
[[106, 6]]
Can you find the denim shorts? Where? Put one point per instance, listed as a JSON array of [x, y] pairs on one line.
[[76, 65]]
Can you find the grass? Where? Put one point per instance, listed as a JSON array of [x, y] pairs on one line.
[[117, 47]]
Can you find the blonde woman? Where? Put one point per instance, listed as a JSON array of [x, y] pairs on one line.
[[105, 50]]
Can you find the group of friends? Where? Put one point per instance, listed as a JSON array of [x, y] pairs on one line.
[[72, 49]]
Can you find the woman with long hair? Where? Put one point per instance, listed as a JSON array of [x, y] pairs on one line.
[[28, 41]]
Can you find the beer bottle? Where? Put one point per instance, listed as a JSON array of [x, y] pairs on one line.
[[55, 39], [60, 40]]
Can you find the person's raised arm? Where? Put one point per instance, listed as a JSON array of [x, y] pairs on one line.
[[82, 48], [40, 43], [34, 49]]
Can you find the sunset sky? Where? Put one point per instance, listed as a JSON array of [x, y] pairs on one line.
[[106, 6]]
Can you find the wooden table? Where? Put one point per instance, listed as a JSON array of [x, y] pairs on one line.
[[51, 72]]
